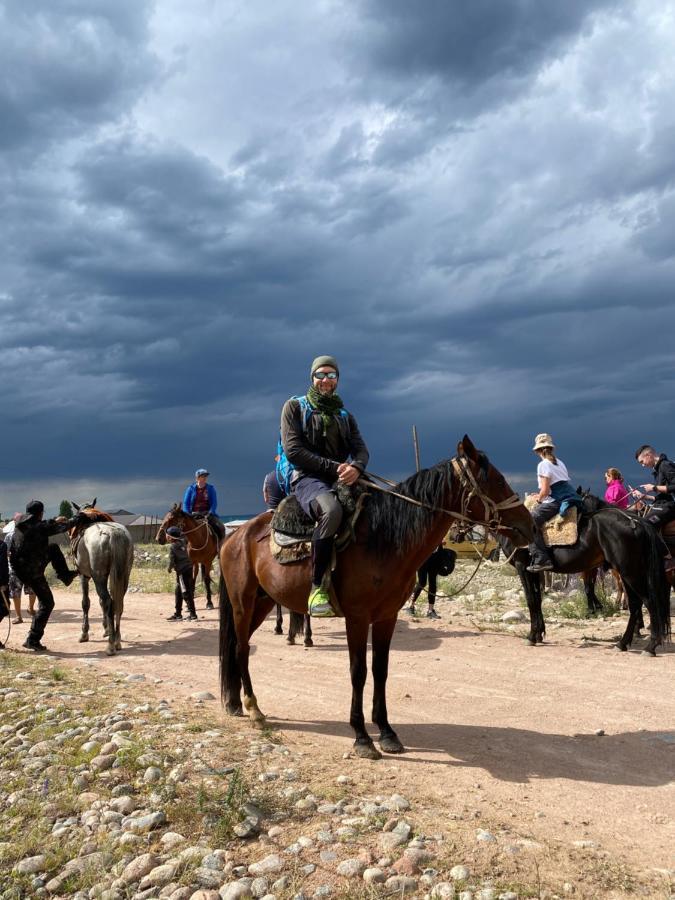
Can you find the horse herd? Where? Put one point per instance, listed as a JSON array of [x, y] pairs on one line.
[[375, 573]]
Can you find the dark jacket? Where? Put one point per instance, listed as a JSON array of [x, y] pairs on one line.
[[664, 474], [29, 553], [306, 448], [178, 556], [4, 565]]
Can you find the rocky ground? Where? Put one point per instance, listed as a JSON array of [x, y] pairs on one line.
[[120, 778]]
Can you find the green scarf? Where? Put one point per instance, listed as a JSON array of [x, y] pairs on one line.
[[326, 406]]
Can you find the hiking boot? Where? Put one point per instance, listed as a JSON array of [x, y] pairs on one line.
[[176, 617], [432, 614], [540, 565], [318, 604], [193, 617], [33, 645]]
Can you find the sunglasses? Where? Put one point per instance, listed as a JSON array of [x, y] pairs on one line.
[[331, 376]]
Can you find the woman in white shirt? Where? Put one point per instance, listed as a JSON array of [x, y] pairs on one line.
[[556, 495]]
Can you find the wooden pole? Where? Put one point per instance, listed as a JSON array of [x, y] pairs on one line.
[[416, 444]]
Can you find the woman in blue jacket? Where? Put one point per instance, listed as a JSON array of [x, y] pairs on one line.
[[200, 499]]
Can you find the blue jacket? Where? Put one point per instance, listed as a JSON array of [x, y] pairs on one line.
[[189, 498]]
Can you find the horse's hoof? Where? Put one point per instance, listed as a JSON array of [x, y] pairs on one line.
[[259, 724], [109, 651], [234, 711], [309, 642], [290, 640], [209, 605], [83, 638], [622, 647], [391, 744], [648, 653], [278, 630], [531, 642], [367, 751]]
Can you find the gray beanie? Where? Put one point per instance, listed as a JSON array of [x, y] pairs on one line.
[[323, 361]]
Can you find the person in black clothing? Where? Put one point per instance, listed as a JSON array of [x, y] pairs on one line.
[[4, 584], [31, 552], [180, 563], [441, 562], [272, 490], [323, 443], [663, 486]]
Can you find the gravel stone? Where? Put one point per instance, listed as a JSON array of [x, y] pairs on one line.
[[143, 824], [259, 887], [152, 774], [460, 873], [444, 890], [159, 876], [31, 865], [267, 866], [374, 876], [235, 891], [138, 868], [486, 836], [401, 884], [351, 868]]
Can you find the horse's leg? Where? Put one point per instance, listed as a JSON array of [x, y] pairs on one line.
[[589, 579], [263, 605], [382, 633], [308, 632], [634, 607], [206, 578], [86, 605], [294, 627], [107, 607], [357, 640], [279, 627], [531, 583]]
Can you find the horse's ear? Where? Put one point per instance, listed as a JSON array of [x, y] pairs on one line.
[[93, 502], [74, 505], [466, 448], [580, 491]]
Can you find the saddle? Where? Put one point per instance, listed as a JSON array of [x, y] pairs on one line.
[[558, 532], [292, 529]]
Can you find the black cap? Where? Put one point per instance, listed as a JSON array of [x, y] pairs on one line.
[[34, 507], [174, 531]]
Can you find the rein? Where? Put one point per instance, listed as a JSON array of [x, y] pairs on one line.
[[471, 488], [205, 524]]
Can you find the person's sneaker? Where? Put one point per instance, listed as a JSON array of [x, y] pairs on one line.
[[540, 567], [318, 604], [174, 618], [410, 610], [33, 645], [432, 614], [193, 617]]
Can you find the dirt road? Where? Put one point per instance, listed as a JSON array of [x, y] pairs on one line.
[[494, 729]]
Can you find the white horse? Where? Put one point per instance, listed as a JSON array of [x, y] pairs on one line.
[[104, 552]]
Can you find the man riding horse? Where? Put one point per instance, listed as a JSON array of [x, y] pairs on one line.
[[322, 442], [663, 486], [200, 499]]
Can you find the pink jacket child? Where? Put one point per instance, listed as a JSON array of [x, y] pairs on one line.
[[617, 494]]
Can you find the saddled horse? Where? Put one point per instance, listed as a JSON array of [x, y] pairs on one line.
[[104, 552], [297, 624], [373, 579], [627, 544], [202, 543]]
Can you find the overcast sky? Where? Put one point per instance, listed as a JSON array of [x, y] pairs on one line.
[[470, 204]]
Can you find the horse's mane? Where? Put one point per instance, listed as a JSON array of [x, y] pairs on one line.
[[393, 524], [96, 515]]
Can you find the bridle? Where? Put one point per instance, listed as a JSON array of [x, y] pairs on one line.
[[203, 524], [470, 489]]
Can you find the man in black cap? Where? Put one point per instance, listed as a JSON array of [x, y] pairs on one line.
[[322, 442], [29, 555]]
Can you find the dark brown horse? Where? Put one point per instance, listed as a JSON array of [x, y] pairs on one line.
[[201, 541], [373, 579]]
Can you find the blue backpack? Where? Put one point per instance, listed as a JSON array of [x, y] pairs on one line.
[[284, 467]]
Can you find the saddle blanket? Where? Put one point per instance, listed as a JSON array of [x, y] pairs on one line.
[[558, 532], [287, 549]]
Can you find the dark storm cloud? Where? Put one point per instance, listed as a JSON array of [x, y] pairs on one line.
[[471, 41], [165, 285], [67, 66]]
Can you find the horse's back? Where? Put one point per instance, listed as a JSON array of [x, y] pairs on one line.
[[104, 541]]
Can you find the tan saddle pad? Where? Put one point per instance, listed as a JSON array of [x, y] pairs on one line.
[[558, 532]]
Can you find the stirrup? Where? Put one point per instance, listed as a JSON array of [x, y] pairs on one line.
[[318, 604]]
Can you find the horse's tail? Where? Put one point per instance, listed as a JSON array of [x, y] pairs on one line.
[[121, 559], [659, 589], [296, 624], [230, 675]]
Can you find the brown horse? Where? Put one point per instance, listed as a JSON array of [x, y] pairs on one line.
[[373, 579], [202, 543]]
